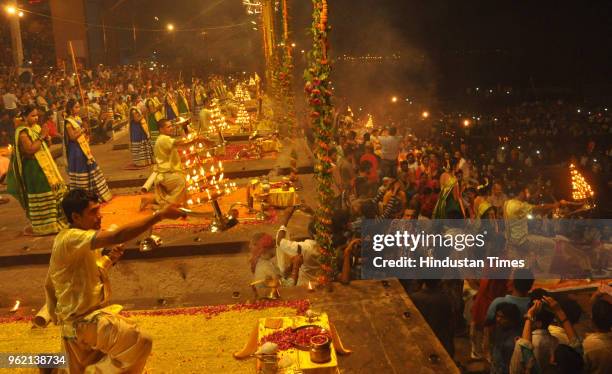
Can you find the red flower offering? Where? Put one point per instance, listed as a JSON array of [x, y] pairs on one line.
[[299, 338]]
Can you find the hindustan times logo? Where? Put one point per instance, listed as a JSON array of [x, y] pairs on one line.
[[411, 241]]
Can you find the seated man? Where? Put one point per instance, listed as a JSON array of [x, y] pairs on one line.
[[292, 255], [263, 262], [95, 337], [170, 184]]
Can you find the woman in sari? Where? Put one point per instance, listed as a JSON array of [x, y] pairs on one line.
[[83, 170], [200, 96], [172, 111], [140, 140], [449, 199], [183, 103], [34, 179], [154, 114]]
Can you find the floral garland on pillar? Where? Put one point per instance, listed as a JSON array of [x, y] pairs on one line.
[[285, 74], [319, 93]]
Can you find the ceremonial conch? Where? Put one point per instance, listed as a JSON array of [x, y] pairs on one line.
[[42, 318]]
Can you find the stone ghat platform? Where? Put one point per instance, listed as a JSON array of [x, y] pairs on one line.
[[114, 158], [375, 319], [189, 237]]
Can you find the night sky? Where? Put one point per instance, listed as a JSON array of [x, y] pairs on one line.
[[446, 46]]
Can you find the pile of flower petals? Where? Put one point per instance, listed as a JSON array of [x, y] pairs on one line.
[[209, 311]]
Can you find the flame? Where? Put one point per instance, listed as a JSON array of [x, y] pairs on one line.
[[580, 188], [310, 286], [16, 306]]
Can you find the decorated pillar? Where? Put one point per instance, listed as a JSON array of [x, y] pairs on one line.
[[285, 76], [319, 92], [269, 38]]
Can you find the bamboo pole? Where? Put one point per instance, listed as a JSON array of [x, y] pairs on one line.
[[76, 72], [285, 22]]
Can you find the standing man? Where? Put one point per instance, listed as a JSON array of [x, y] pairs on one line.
[[497, 197], [538, 250], [94, 335], [10, 102], [389, 147]]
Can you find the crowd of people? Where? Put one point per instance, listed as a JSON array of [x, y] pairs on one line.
[[37, 42], [40, 110], [474, 173], [77, 111], [477, 170]]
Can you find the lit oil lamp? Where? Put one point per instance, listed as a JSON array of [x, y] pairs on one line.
[[15, 307]]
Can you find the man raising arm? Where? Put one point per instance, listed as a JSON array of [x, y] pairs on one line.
[[94, 335]]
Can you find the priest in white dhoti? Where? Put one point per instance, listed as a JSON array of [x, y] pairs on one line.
[[307, 250], [96, 338], [170, 184]]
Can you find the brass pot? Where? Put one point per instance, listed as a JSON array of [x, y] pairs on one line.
[[320, 351], [269, 364]]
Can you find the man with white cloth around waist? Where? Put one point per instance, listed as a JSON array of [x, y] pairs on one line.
[[94, 336], [302, 257]]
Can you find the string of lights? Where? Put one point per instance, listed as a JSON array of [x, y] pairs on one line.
[[170, 27]]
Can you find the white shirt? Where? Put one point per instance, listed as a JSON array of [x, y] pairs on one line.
[[166, 155], [544, 345], [597, 349], [515, 216], [10, 101], [310, 251], [76, 276], [390, 147]]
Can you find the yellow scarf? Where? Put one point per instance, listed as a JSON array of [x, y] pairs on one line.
[[75, 122], [182, 95], [43, 157], [143, 122], [172, 104], [152, 106], [199, 96]]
